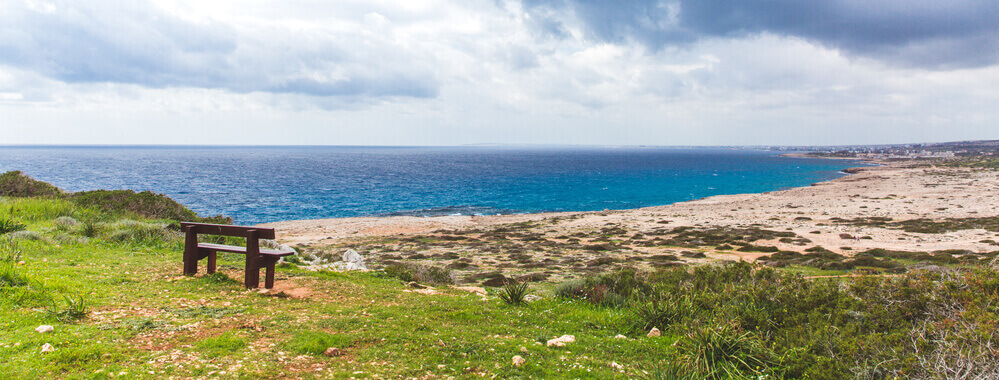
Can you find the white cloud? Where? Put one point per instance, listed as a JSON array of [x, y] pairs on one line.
[[442, 72]]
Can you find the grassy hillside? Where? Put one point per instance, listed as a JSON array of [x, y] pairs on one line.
[[110, 285]]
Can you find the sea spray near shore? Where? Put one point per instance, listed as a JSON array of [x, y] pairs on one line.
[[263, 184]]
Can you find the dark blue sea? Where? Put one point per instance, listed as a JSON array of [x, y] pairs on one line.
[[264, 184]]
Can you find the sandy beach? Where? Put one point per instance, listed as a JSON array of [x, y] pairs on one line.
[[839, 215]]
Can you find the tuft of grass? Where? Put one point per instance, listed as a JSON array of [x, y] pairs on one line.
[[514, 292], [10, 225], [723, 353], [65, 223], [140, 233], [72, 309], [222, 345], [10, 251], [661, 312], [10, 277], [316, 342]]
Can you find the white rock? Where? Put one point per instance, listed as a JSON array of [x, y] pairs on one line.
[[44, 329], [561, 341], [352, 257], [655, 332], [518, 361], [619, 336], [614, 365], [47, 348]]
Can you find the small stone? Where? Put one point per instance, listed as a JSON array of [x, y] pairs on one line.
[[333, 351], [655, 332], [47, 348], [619, 336], [44, 329], [614, 365], [263, 291], [561, 341], [518, 361]]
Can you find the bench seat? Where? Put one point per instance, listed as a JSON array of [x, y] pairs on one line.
[[238, 249]]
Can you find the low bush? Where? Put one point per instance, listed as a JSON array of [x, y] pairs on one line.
[[661, 312], [17, 184], [409, 272], [144, 204], [612, 289]]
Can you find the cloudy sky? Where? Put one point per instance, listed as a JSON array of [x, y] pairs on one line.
[[436, 72]]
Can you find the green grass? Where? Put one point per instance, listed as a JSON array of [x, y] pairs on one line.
[[121, 309], [142, 318]]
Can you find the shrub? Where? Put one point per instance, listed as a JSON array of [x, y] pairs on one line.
[[17, 184], [408, 272], [661, 311], [514, 292], [144, 204]]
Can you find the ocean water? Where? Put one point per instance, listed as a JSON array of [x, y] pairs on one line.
[[264, 184]]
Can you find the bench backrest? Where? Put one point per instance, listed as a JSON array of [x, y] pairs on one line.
[[226, 230]]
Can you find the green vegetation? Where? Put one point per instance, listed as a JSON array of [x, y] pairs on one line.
[[514, 292], [926, 226], [121, 203], [109, 282], [17, 184]]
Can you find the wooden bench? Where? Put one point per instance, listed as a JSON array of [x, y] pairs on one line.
[[256, 257]]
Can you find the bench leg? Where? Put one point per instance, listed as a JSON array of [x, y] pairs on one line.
[[251, 277], [211, 262], [191, 253], [269, 280]]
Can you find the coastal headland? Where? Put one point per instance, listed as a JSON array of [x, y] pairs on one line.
[[901, 206]]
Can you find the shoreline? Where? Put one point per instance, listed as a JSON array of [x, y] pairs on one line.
[[403, 224], [409, 224], [833, 215]]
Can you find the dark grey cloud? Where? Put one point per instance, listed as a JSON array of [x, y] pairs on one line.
[[134, 43], [925, 33]]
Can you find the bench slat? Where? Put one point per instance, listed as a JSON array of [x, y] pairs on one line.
[[227, 230], [238, 249]]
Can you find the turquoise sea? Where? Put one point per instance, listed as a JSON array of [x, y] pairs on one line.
[[264, 184]]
